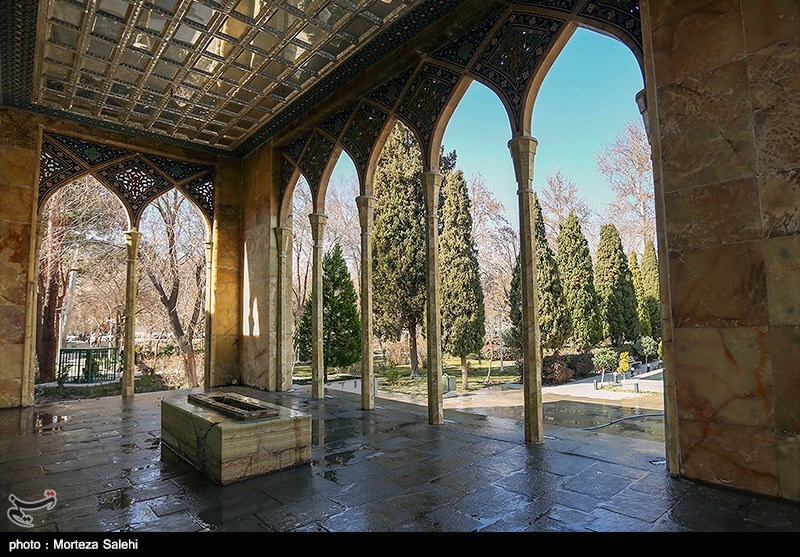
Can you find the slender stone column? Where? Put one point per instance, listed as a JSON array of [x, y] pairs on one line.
[[432, 182], [208, 319], [366, 214], [283, 235], [317, 356], [132, 238], [523, 148]]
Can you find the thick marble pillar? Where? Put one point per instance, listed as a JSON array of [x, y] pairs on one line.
[[670, 394], [283, 236], [317, 356], [132, 238], [523, 149], [432, 183], [366, 214], [19, 162], [722, 107], [207, 344]]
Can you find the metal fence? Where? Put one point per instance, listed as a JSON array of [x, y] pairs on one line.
[[87, 365]]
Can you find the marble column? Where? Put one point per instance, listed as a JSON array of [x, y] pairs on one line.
[[523, 149], [431, 183], [132, 238], [317, 356], [207, 344], [671, 439], [366, 214], [283, 235]]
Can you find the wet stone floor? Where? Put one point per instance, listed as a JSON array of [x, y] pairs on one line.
[[385, 470]]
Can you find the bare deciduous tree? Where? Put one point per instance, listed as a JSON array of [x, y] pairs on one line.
[[172, 258], [558, 198], [628, 169], [82, 231], [343, 226], [302, 244], [497, 243]]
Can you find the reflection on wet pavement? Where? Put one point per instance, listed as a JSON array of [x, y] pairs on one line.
[[45, 423], [383, 470]]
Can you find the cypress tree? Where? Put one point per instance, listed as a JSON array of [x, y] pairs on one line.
[[641, 305], [514, 336], [463, 312], [302, 336], [398, 257], [341, 325], [614, 285], [554, 318], [650, 286], [577, 278]]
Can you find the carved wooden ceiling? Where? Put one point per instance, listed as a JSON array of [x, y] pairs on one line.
[[225, 76]]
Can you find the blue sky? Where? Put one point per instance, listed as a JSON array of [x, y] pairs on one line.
[[584, 102]]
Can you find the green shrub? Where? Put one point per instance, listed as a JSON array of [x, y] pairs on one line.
[[647, 347], [555, 370], [392, 373], [623, 365], [580, 364], [605, 359]]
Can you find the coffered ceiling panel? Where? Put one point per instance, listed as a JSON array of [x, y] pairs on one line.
[[210, 72]]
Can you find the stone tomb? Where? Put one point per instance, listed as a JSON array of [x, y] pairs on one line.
[[227, 445]]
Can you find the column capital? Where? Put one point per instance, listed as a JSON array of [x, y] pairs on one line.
[[283, 235], [641, 102], [318, 221], [365, 200], [523, 149], [366, 211], [431, 185], [132, 238]]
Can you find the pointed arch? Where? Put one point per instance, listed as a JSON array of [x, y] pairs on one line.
[[398, 117], [367, 184], [291, 174], [344, 157], [135, 176], [499, 94], [318, 196], [435, 148], [535, 83], [46, 196], [195, 205]]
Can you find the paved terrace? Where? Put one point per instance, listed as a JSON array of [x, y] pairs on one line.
[[385, 470]]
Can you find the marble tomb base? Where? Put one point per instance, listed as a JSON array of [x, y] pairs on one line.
[[229, 449]]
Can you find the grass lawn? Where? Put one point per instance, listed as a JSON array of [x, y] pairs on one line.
[[143, 384], [419, 385]]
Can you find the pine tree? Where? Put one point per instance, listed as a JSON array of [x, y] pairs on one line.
[[554, 318], [341, 325], [577, 279], [616, 296], [398, 257], [463, 312], [641, 304], [650, 286]]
